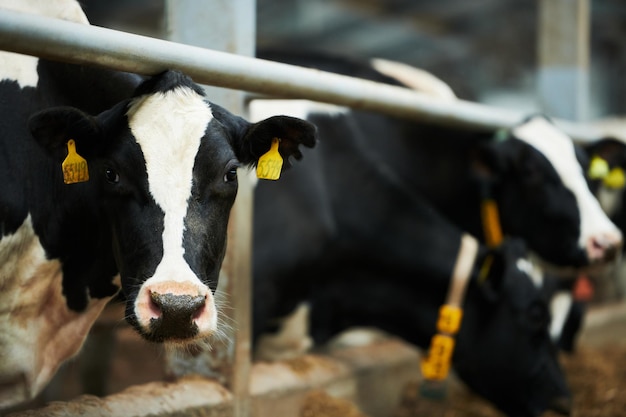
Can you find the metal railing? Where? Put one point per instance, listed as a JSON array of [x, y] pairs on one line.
[[90, 45]]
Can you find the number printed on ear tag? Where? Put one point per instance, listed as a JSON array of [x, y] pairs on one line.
[[270, 163], [74, 166]]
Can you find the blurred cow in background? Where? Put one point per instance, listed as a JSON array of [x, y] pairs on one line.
[[531, 172], [365, 249], [530, 176]]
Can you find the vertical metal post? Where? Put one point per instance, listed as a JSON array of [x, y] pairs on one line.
[[563, 57], [229, 26]]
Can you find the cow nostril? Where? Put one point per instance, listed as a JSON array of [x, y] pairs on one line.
[[180, 307], [602, 248], [154, 306]]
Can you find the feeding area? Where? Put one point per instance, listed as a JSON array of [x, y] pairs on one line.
[[321, 208]]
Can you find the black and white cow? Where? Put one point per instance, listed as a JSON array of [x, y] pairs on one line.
[[360, 239], [364, 249], [531, 172], [162, 165]]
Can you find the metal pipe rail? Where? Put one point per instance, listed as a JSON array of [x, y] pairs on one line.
[[91, 45]]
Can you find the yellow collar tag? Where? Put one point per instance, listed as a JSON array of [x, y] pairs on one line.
[[436, 364], [270, 163], [74, 166], [491, 223]]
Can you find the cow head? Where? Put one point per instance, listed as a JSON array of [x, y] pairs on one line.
[[504, 350], [604, 162], [536, 178], [164, 167]]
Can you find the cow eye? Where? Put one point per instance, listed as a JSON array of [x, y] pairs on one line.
[[111, 175], [231, 174]]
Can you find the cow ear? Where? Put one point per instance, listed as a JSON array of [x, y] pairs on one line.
[[608, 148], [54, 127], [291, 132]]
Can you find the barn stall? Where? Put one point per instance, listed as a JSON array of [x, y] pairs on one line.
[[242, 388]]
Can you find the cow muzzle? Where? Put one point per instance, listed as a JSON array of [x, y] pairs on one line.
[[604, 248], [175, 311]]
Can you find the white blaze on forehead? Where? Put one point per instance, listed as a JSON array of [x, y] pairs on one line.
[[169, 127], [23, 68], [558, 148]]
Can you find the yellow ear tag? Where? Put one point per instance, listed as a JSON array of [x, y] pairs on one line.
[[598, 168], [615, 179], [74, 166], [270, 163]]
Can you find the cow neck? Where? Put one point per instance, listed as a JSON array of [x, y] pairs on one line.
[[436, 366]]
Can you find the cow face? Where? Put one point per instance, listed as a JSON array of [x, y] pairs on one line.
[[504, 351], [604, 162], [164, 165], [541, 187]]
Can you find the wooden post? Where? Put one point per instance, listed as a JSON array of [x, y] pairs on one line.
[[563, 58], [229, 26]]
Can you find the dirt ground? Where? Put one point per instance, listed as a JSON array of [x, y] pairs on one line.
[[596, 373], [597, 378]]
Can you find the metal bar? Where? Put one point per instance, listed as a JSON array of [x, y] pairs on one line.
[[229, 26], [89, 45]]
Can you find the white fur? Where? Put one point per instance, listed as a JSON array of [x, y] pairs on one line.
[[23, 68], [558, 148], [168, 127], [534, 272], [38, 332], [559, 308]]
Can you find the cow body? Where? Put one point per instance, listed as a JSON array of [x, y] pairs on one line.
[[364, 249], [531, 172], [162, 164]]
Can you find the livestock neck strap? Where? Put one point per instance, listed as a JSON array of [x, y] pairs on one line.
[[489, 215], [490, 218], [436, 365]]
